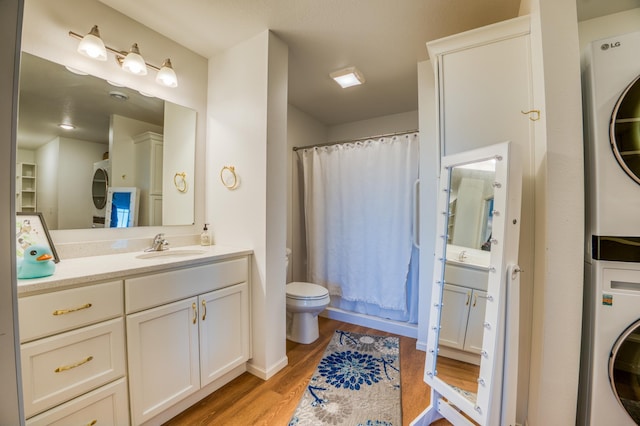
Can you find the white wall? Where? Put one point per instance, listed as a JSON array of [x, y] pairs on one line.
[[429, 182], [25, 156], [302, 130], [122, 149], [65, 163], [246, 128], [559, 212], [75, 170], [46, 27], [178, 155], [47, 182], [401, 122]]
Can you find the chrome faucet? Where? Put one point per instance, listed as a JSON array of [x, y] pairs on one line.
[[159, 243]]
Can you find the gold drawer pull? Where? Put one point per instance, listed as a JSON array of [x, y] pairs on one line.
[[77, 364], [92, 422], [204, 309], [68, 311], [195, 312]]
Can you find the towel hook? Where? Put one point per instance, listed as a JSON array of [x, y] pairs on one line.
[[534, 114]]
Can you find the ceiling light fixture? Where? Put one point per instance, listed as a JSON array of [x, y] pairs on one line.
[[119, 96], [66, 126], [348, 77], [92, 46]]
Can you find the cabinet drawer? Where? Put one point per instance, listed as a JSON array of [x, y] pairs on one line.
[[50, 313], [466, 276], [157, 289], [58, 368], [107, 405]]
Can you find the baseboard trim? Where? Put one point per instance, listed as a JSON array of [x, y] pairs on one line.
[[266, 374]]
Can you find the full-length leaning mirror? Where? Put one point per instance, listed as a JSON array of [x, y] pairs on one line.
[[471, 362], [119, 138]]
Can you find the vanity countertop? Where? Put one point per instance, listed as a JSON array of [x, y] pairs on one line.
[[83, 270]]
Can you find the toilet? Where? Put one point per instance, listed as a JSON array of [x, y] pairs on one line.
[[304, 302]]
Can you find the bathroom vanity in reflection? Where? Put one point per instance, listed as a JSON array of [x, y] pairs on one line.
[[464, 298], [475, 296], [124, 339]]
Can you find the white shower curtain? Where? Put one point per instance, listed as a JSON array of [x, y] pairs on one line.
[[358, 202]]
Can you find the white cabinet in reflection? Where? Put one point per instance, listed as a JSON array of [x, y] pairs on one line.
[[149, 161], [463, 308], [26, 187]]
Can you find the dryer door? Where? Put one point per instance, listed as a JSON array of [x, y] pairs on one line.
[[624, 370], [624, 131]]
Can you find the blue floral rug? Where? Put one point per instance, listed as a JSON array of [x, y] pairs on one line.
[[357, 382]]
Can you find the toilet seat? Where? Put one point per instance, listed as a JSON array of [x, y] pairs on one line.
[[306, 291]]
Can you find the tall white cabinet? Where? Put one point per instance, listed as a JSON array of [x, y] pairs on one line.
[[484, 86], [483, 96], [149, 160]]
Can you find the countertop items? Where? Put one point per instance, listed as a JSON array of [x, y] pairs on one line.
[[83, 270]]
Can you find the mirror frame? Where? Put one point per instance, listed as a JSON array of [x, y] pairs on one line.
[[496, 396]]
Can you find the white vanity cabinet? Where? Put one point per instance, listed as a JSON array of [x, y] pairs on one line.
[[185, 329], [464, 301], [73, 356]]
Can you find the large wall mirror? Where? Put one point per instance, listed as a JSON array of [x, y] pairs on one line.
[[115, 136], [471, 362]]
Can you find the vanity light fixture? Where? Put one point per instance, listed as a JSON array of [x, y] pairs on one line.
[[133, 62], [166, 75], [348, 77], [92, 46]]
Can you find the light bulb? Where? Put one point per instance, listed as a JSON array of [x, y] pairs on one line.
[[92, 46], [167, 76], [133, 62]]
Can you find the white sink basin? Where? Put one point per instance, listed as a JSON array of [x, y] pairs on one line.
[[169, 253]]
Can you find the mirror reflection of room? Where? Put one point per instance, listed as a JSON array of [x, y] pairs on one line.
[[470, 208], [78, 133], [469, 222]]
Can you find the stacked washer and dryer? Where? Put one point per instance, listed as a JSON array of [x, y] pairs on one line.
[[610, 364]]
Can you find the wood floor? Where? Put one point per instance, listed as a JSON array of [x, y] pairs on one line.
[[248, 400]]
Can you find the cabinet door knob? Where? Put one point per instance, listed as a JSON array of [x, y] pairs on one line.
[[204, 309], [468, 299], [195, 312]]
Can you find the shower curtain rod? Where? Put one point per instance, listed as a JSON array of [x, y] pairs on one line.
[[385, 135]]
